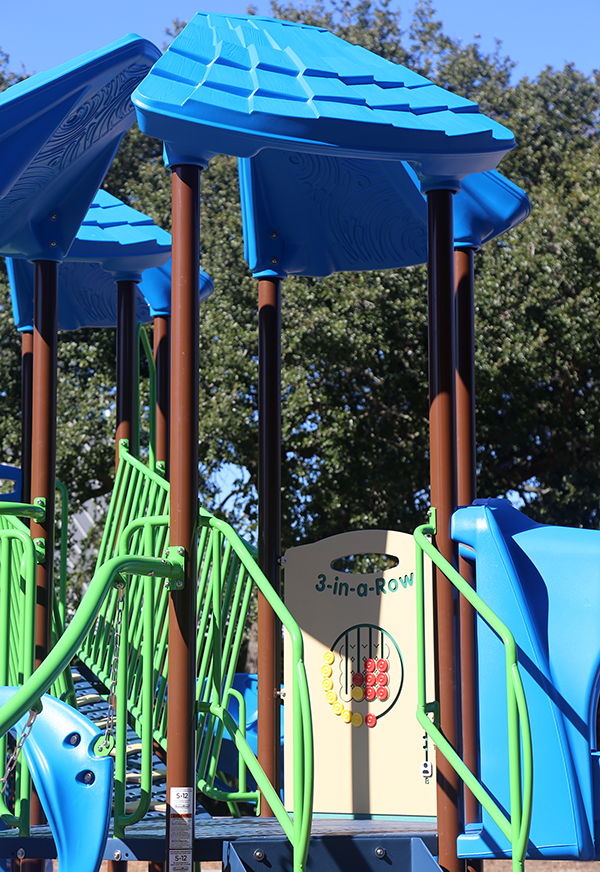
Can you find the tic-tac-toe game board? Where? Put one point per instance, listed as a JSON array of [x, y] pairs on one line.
[[371, 755]]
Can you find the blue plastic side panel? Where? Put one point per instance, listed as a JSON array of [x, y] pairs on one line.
[[74, 786], [11, 473], [544, 583]]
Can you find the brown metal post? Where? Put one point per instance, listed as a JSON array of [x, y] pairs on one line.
[[126, 367], [269, 523], [181, 720], [464, 285], [162, 360], [26, 410], [443, 498]]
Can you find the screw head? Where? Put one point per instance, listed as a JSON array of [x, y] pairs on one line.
[[53, 216], [273, 260], [274, 234], [259, 855], [117, 855], [53, 243], [181, 551], [281, 560], [74, 739], [21, 854], [166, 584], [380, 853], [179, 584]]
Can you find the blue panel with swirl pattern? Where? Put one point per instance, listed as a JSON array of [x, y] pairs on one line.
[[236, 85], [59, 131]]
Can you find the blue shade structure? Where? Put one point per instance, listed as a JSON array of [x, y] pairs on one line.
[[236, 85], [114, 243], [59, 132], [313, 215]]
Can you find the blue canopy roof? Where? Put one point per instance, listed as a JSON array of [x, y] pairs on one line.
[[236, 85], [121, 239], [87, 294], [311, 214], [59, 132]]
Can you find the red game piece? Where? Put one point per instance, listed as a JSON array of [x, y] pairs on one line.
[[371, 679], [382, 693], [382, 665], [358, 679], [370, 665], [382, 679], [370, 694], [370, 720]]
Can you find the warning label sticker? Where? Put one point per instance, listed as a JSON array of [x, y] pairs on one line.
[[181, 825]]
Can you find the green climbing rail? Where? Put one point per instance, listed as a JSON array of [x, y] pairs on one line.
[[515, 827]]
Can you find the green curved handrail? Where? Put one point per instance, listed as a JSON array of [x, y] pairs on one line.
[[516, 829]]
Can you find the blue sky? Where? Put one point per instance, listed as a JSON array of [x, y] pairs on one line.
[[42, 34]]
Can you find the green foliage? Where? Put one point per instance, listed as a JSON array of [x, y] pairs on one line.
[[354, 346]]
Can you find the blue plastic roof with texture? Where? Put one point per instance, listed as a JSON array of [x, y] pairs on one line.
[[313, 215], [59, 131], [122, 240], [236, 85]]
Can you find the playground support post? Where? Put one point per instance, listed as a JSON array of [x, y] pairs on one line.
[[181, 718], [442, 442], [464, 285], [269, 525], [26, 410], [126, 364], [162, 353]]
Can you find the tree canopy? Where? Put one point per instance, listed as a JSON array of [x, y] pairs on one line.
[[354, 346]]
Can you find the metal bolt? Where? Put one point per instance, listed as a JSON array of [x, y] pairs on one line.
[[21, 854], [53, 243], [281, 560], [88, 777], [117, 855], [181, 551], [151, 573], [164, 561], [179, 584], [259, 855], [380, 853], [273, 260], [274, 234], [166, 584], [75, 739], [53, 216]]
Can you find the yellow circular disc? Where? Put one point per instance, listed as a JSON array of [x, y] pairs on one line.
[[346, 716], [357, 719], [326, 671], [331, 697], [327, 684], [338, 707], [358, 694], [329, 657]]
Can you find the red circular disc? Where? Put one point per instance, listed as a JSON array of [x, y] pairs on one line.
[[382, 693], [371, 679], [382, 665], [370, 694], [370, 665], [358, 679], [382, 679], [370, 720]]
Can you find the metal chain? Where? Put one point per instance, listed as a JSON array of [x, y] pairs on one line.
[[112, 696], [12, 760]]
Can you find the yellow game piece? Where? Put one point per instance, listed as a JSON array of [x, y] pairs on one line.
[[327, 684], [331, 697], [329, 657], [357, 719], [346, 716], [326, 671], [358, 694], [338, 707]]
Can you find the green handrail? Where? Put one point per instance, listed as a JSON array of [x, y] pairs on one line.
[[515, 828], [62, 578]]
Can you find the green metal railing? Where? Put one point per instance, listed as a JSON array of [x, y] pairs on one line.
[[137, 523], [515, 828]]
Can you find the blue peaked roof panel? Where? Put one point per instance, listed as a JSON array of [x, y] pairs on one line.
[[59, 131], [313, 215], [236, 85], [122, 240], [87, 294]]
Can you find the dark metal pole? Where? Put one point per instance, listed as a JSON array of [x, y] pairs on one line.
[[181, 720], [464, 284], [443, 498], [269, 523], [26, 410], [126, 364], [162, 360]]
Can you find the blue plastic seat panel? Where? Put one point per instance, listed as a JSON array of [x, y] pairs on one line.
[[59, 131], [543, 582], [235, 85]]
